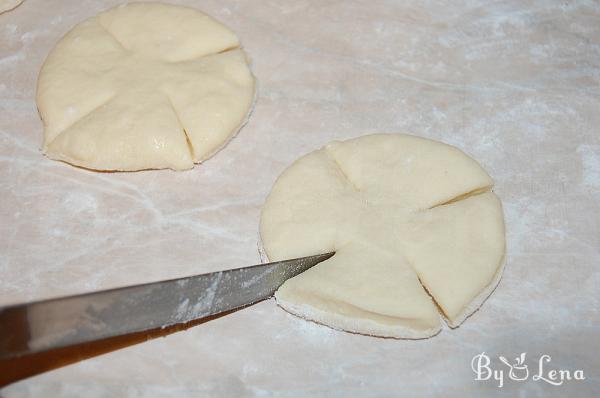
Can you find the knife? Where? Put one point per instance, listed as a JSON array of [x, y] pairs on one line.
[[62, 322]]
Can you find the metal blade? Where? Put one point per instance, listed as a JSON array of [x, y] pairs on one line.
[[44, 325]]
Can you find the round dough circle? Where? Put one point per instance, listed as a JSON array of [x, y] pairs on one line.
[[414, 224], [143, 86]]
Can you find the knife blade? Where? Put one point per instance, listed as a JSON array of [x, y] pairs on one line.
[[61, 322]]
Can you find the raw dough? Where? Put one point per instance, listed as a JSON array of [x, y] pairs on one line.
[[7, 5], [143, 86], [407, 217]]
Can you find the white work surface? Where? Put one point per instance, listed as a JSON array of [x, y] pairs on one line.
[[515, 84]]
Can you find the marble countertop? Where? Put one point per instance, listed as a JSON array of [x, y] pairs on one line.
[[515, 84]]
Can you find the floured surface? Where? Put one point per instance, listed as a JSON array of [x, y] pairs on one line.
[[407, 217], [475, 75]]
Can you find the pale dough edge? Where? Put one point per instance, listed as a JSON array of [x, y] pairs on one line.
[[246, 119], [86, 165], [478, 301], [375, 329], [346, 324], [407, 333]]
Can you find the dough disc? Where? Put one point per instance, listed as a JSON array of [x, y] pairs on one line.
[[143, 86], [414, 224]]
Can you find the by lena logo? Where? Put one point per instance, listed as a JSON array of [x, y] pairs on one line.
[[519, 371]]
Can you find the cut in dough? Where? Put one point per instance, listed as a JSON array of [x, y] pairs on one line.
[[7, 5], [144, 86], [414, 225]]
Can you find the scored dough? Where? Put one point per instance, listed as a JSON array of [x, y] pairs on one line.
[[407, 217], [143, 86]]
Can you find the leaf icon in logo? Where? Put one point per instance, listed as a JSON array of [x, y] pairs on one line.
[[519, 371]]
